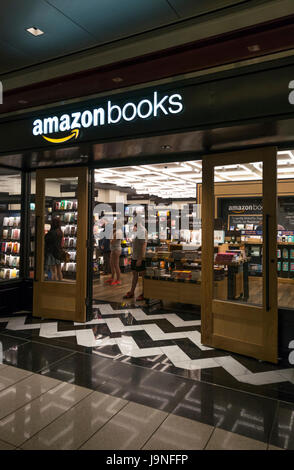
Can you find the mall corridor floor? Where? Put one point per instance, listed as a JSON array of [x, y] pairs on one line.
[[135, 378]]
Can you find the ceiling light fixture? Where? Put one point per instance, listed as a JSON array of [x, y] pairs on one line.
[[35, 31], [117, 79], [254, 48]]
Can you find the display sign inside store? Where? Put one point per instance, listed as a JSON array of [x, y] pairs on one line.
[[247, 213]]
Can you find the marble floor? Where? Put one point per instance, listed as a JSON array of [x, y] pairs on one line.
[[38, 412], [139, 357]]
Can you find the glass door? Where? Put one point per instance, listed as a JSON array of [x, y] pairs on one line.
[[60, 280], [239, 276]]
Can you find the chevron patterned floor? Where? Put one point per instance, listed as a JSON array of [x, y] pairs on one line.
[[162, 341], [154, 358]]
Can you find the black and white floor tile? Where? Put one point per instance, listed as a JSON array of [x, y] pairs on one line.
[[157, 340], [155, 358]]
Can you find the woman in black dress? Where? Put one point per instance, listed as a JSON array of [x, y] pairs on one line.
[[53, 250]]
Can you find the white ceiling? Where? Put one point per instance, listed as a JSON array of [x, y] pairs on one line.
[[178, 179]]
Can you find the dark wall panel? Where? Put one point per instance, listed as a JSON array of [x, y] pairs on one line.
[[208, 102], [14, 297]]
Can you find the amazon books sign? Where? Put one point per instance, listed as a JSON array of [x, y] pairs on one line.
[[110, 114], [225, 100]]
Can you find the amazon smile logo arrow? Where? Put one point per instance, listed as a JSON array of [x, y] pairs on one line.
[[157, 106], [74, 134]]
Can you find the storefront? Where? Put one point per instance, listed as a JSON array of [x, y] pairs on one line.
[[213, 150]]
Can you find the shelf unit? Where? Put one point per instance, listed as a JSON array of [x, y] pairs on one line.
[[66, 209], [285, 259], [10, 233]]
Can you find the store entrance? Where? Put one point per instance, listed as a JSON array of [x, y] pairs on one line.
[[201, 249], [60, 279], [161, 197], [245, 319]]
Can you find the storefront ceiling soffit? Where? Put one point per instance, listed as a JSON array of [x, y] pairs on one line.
[[272, 37], [70, 26], [186, 144], [202, 57], [74, 32]]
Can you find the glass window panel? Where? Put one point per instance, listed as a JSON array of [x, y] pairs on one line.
[[10, 224], [32, 228], [238, 257], [285, 229], [60, 230]]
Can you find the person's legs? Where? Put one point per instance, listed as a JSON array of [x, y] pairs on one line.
[[116, 264], [134, 281], [135, 277], [141, 275], [112, 267], [53, 272], [141, 296], [59, 272]]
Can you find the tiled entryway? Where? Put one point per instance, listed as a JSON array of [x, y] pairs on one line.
[[42, 413], [105, 374]]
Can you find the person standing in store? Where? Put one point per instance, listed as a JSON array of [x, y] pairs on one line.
[[53, 250], [115, 252], [104, 246], [138, 256]]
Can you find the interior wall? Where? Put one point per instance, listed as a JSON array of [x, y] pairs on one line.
[[52, 189], [111, 195]]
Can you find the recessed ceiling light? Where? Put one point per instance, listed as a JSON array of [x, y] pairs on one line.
[[117, 79], [35, 31], [254, 48]]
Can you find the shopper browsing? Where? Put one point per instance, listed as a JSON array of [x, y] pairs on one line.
[[104, 246], [139, 245], [115, 252], [53, 250]]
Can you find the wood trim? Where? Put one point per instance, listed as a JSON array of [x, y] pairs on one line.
[[39, 238], [221, 317], [207, 250], [81, 278], [62, 300], [238, 347], [223, 306], [188, 293]]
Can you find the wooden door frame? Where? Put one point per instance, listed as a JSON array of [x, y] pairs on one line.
[[210, 308], [79, 288]]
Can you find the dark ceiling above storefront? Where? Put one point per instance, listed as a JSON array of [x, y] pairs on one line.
[[70, 26], [230, 48]]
